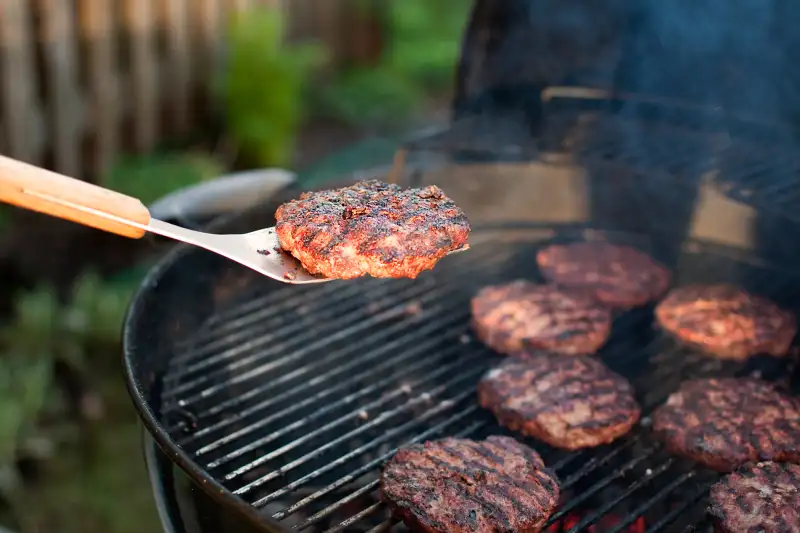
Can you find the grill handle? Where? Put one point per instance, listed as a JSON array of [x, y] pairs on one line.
[[53, 194]]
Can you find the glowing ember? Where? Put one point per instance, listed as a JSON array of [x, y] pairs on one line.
[[599, 526]]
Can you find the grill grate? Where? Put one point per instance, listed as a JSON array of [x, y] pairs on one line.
[[295, 398]]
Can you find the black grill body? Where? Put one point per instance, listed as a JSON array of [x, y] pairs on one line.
[[274, 407]]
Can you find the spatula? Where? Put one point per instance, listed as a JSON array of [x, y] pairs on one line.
[[53, 194]]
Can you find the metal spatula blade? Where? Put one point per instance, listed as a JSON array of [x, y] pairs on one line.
[[259, 250]]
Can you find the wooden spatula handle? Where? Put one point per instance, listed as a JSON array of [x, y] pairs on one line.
[[40, 190]]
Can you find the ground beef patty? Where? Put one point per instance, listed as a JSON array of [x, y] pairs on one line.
[[759, 497], [371, 228], [567, 402], [724, 423], [521, 315], [618, 276], [454, 485], [727, 322]]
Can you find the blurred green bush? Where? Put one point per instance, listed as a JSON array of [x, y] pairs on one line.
[[263, 87], [423, 40], [38, 411]]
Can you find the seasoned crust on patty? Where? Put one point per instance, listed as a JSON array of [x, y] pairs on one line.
[[567, 402], [724, 423], [453, 485], [761, 497], [372, 228], [615, 275], [521, 315], [726, 321]]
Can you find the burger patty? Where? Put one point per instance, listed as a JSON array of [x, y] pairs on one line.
[[520, 315], [454, 485], [371, 228], [761, 497], [724, 423], [618, 276], [567, 402], [726, 321]]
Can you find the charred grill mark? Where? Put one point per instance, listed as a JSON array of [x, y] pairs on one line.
[[530, 455], [463, 475], [479, 469], [487, 454]]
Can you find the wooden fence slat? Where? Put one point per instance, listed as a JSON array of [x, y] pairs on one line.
[[179, 68], [61, 73], [139, 20], [238, 6], [99, 31], [327, 23], [300, 13], [19, 80], [208, 25]]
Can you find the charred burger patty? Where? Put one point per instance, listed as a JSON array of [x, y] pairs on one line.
[[371, 228], [522, 315], [758, 497], [616, 275], [724, 423], [726, 321], [453, 485], [567, 402]]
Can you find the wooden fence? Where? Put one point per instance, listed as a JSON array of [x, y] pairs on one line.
[[83, 80]]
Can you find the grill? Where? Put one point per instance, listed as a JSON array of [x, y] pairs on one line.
[[283, 403], [293, 398]]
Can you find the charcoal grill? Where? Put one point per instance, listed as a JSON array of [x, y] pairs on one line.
[[280, 404], [271, 408]]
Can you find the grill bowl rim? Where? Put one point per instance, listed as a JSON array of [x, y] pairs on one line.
[[183, 253]]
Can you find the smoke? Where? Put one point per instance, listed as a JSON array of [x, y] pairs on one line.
[[736, 56], [740, 55]]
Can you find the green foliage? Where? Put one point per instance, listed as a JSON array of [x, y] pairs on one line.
[[44, 329], [263, 85], [372, 97], [110, 493], [96, 311], [24, 387], [5, 218], [423, 43], [151, 177], [25, 374], [425, 39], [36, 317]]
